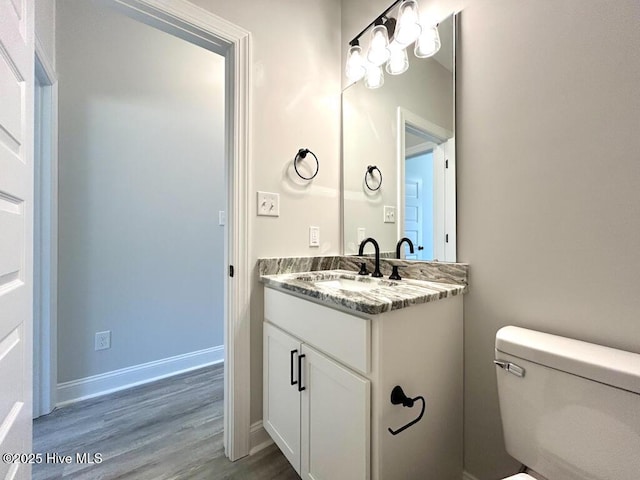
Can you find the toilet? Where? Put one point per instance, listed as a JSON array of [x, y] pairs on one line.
[[570, 409]]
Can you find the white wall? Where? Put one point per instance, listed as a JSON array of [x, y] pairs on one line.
[[141, 183], [45, 19], [548, 197], [295, 103]]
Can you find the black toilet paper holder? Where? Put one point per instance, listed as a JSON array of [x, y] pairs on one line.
[[398, 397]]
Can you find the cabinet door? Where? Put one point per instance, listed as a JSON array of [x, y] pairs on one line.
[[335, 420], [281, 401]]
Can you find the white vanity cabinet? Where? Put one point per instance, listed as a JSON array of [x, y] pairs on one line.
[[316, 410], [328, 376], [281, 406]]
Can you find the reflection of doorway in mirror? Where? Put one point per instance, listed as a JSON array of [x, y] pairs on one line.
[[426, 188]]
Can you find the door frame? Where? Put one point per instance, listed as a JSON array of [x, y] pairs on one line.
[[201, 27], [45, 265]]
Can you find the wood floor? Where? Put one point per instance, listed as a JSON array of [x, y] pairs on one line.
[[169, 429]]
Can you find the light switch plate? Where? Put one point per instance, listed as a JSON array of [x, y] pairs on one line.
[[314, 236], [361, 235], [389, 214], [222, 217], [268, 204]]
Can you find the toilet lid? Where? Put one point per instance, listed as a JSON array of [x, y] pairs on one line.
[[520, 476]]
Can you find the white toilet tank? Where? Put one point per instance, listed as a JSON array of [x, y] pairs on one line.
[[570, 409]]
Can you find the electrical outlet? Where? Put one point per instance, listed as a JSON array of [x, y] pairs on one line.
[[361, 235], [103, 340], [314, 236], [389, 214], [268, 204]]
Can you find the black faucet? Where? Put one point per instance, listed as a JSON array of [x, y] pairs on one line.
[[394, 274], [376, 271], [399, 244]]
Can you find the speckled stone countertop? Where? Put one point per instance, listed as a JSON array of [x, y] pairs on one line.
[[386, 296], [439, 272]]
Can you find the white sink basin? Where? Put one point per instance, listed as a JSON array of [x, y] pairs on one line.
[[350, 284], [347, 284]]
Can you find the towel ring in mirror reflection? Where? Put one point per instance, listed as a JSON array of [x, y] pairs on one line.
[[301, 155], [369, 173]]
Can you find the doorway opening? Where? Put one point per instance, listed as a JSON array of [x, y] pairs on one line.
[[218, 36]]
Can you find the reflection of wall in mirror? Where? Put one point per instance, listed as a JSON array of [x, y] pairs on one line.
[[370, 138]]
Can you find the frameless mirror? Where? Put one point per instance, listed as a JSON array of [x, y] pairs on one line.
[[399, 157]]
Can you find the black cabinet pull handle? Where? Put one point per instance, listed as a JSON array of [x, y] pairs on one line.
[[293, 382], [300, 387]]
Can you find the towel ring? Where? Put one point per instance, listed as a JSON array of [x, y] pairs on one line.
[[301, 155], [370, 169]]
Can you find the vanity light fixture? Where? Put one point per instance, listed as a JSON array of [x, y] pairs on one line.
[[356, 68], [428, 43], [379, 46], [389, 42], [398, 61], [374, 78], [409, 27]]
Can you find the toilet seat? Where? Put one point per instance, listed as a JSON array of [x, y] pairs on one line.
[[519, 476]]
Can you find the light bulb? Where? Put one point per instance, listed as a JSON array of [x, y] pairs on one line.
[[428, 43], [408, 28], [355, 64], [378, 52], [374, 77], [399, 61]]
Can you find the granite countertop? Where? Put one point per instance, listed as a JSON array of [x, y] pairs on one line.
[[386, 296]]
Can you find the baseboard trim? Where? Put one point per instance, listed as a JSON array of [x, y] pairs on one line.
[[468, 476], [97, 385], [258, 438]]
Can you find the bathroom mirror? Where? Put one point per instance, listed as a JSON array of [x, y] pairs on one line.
[[406, 129]]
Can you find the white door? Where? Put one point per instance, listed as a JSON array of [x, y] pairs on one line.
[[413, 215], [16, 231], [336, 420], [281, 405]]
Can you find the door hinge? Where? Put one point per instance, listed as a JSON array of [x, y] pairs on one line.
[[446, 163], [231, 270], [446, 238]]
